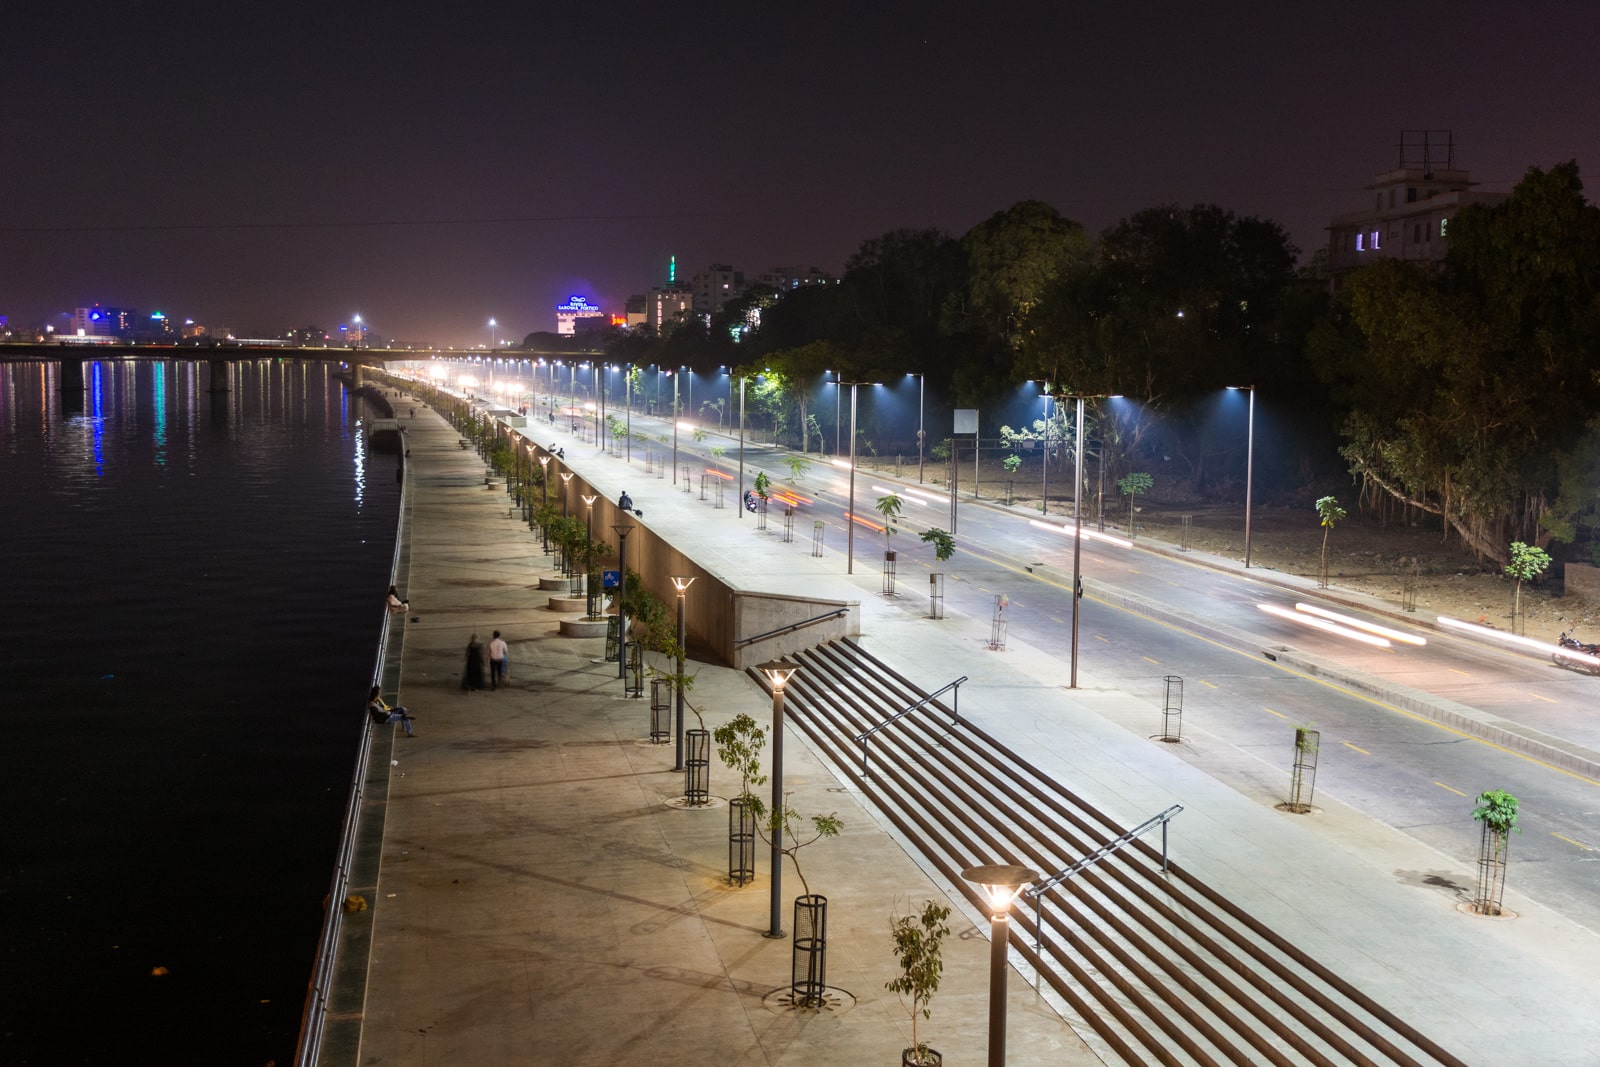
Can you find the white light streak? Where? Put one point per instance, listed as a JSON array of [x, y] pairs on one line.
[[1088, 535], [1324, 626], [1362, 624], [1516, 639]]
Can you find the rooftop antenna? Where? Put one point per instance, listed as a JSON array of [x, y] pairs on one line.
[[1427, 149]]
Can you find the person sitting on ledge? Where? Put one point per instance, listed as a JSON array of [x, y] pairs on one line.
[[384, 715]]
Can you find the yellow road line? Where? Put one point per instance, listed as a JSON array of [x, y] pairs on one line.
[[1058, 620], [1540, 696], [1279, 714], [1570, 841], [1106, 640], [1363, 751], [1147, 659], [1463, 674], [1208, 685], [1457, 792]]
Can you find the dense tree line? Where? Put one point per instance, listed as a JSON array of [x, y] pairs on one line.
[[1468, 392]]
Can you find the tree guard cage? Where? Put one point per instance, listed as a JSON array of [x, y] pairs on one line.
[[1172, 709], [1303, 777], [888, 573], [816, 537], [741, 841], [808, 961], [936, 595], [660, 710], [697, 767]]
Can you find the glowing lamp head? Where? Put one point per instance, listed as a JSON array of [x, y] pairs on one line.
[[544, 461], [588, 500], [778, 672], [566, 476], [682, 583], [999, 883]]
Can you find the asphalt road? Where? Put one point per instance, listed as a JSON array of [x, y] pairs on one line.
[[1240, 708]]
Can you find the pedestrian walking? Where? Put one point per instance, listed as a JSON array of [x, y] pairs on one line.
[[499, 661], [472, 674], [386, 715]]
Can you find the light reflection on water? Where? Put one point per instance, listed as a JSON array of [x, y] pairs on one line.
[[193, 591]]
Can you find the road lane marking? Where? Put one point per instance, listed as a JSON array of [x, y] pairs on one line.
[[1107, 640], [1147, 659], [1058, 620], [1547, 700], [1208, 685], [1457, 792], [1363, 751], [1279, 714], [1463, 674], [1570, 841]]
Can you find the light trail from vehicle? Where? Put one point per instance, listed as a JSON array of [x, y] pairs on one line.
[[1361, 624], [1516, 639], [1326, 627], [1088, 535]]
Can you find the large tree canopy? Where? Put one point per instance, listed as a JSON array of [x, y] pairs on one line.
[[1464, 387]]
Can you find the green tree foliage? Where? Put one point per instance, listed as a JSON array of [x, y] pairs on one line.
[[944, 545], [1465, 387], [1132, 485], [1329, 513], [739, 746], [1527, 563], [919, 950], [889, 507]]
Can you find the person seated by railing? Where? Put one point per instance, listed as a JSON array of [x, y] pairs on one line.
[[397, 603], [384, 715]]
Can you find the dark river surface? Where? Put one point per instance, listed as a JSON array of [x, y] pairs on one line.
[[193, 592]]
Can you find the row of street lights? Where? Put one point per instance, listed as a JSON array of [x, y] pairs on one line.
[[997, 884]]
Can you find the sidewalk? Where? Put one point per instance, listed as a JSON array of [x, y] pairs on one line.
[[539, 901]]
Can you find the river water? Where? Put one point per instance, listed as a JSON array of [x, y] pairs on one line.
[[193, 590]]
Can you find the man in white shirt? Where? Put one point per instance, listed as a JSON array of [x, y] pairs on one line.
[[499, 661]]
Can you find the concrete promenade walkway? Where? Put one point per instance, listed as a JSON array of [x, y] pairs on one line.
[[540, 900]]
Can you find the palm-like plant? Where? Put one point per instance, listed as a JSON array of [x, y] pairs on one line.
[[889, 507]]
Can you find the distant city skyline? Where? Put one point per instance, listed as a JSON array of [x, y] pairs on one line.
[[298, 169]]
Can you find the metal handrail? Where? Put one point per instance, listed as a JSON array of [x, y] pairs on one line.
[[955, 716], [792, 626], [1038, 889], [313, 1016]]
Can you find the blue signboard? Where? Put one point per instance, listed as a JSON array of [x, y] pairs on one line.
[[611, 579]]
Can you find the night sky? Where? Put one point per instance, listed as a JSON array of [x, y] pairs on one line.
[[264, 167]]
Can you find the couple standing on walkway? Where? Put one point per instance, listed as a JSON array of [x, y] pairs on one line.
[[498, 663]]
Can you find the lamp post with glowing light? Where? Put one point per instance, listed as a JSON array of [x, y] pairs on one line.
[[999, 885], [922, 381], [492, 325], [1077, 526], [588, 552], [1249, 464], [850, 532], [544, 492], [675, 425], [741, 446], [778, 674], [681, 583]]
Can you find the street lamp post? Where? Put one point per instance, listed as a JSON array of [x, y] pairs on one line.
[[681, 584], [741, 446], [628, 417], [675, 425], [1249, 465], [623, 529], [999, 885], [1077, 540], [566, 479], [850, 515], [491, 335], [1044, 482], [588, 550], [922, 382], [778, 674], [544, 491]]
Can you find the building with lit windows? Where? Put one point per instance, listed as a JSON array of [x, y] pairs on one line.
[[1411, 208], [577, 309], [715, 286], [787, 279]]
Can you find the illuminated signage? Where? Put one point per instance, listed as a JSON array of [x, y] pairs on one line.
[[578, 303]]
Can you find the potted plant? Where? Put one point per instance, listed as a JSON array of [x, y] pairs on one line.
[[919, 950], [739, 744]]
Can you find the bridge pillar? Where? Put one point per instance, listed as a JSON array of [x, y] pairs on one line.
[[219, 375], [71, 391], [355, 376]]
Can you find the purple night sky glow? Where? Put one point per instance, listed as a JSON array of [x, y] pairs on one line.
[[268, 167]]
